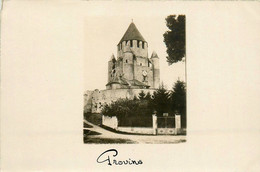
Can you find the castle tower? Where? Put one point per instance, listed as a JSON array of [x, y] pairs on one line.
[[156, 70], [133, 68], [133, 50], [128, 62]]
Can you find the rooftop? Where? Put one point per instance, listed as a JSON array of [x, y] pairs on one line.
[[132, 33]]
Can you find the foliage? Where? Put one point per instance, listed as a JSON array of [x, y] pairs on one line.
[[178, 100], [148, 96], [160, 101], [135, 98], [141, 95], [130, 112], [94, 118], [175, 38]]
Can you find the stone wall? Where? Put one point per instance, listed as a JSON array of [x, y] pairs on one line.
[[88, 101], [110, 122], [137, 130]]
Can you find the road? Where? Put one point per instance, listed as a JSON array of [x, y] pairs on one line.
[[157, 139]]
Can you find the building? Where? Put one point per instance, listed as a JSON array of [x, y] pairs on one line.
[[128, 74]]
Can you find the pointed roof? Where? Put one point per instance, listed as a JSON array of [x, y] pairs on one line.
[[117, 80], [112, 57], [123, 81], [132, 33], [154, 55]]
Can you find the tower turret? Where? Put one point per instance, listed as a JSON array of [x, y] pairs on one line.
[[111, 67], [128, 62], [156, 70]]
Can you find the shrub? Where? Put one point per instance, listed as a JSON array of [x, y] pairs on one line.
[[130, 112], [160, 101]]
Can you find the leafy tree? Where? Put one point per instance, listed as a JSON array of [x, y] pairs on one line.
[[175, 38], [141, 95], [160, 101], [178, 100], [130, 112], [148, 96], [135, 98]]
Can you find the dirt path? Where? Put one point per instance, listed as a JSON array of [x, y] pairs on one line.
[[136, 138]]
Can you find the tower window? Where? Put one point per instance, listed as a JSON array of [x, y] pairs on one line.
[[125, 42], [131, 43], [126, 61], [138, 44], [143, 45], [141, 64]]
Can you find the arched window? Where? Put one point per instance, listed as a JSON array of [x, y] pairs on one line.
[[138, 43], [143, 45], [126, 61], [131, 43]]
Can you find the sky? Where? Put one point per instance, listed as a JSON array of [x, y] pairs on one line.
[[102, 34]]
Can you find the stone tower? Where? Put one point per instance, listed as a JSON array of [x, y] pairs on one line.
[[133, 68], [129, 73], [156, 70]]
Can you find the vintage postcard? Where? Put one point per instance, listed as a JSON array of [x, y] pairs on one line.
[[130, 86]]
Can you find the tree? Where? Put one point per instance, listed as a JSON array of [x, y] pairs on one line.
[[130, 112], [175, 38], [160, 101], [141, 95], [135, 98], [178, 100], [148, 96]]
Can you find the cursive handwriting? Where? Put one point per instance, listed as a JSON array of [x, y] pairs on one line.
[[108, 155]]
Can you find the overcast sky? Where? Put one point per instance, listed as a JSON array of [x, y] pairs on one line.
[[102, 34]]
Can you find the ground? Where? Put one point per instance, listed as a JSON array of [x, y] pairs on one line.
[[95, 134]]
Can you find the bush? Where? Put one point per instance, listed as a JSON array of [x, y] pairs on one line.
[[160, 101], [130, 112]]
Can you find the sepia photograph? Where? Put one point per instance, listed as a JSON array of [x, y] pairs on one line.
[[139, 86], [141, 92]]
